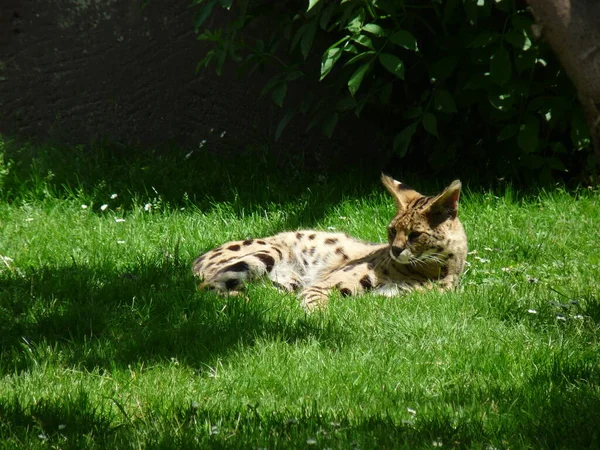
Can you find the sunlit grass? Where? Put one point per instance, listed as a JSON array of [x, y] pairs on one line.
[[106, 343]]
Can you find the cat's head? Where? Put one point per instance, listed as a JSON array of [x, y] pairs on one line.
[[425, 228]]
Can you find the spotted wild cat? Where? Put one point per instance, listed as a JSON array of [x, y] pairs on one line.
[[426, 247]]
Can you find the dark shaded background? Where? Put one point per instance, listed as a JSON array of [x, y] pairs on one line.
[[123, 71]]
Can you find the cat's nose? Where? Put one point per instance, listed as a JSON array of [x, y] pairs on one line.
[[397, 251]]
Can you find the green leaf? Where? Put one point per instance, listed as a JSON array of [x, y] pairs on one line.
[[393, 64], [501, 100], [278, 94], [412, 113], [471, 10], [325, 16], [374, 29], [385, 93], [507, 132], [293, 75], [528, 137], [203, 14], [346, 103], [522, 22], [365, 40], [204, 62], [443, 68], [404, 39], [516, 38], [500, 67], [484, 38], [283, 123], [311, 4], [443, 101], [308, 37], [402, 139], [329, 124], [430, 123], [357, 78], [355, 25], [360, 57], [275, 80], [329, 59]]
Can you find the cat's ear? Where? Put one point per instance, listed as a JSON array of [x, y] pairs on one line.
[[446, 203], [402, 194]]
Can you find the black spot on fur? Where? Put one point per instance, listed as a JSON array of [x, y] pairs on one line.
[[268, 260], [340, 251], [311, 252], [248, 241], [345, 292], [240, 266], [331, 241], [234, 247], [366, 282], [312, 236], [232, 283], [278, 252], [386, 272], [348, 268], [299, 235], [261, 242], [214, 255], [450, 255]]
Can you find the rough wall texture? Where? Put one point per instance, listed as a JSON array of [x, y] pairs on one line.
[[75, 71]]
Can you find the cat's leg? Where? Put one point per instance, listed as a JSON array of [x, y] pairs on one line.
[[231, 274], [357, 283]]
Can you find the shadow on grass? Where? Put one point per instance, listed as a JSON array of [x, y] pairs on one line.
[[247, 179], [563, 420], [94, 318]]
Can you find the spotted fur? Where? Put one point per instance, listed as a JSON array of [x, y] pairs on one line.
[[426, 247]]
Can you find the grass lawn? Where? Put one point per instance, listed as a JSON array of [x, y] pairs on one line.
[[106, 343]]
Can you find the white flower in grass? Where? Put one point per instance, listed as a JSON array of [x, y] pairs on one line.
[[113, 196], [311, 441], [120, 242], [223, 134], [29, 219], [83, 206], [411, 411], [532, 311], [331, 228], [578, 316], [437, 443], [147, 207], [103, 207], [62, 426], [561, 317], [119, 220]]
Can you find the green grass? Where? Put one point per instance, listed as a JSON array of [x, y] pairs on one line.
[[105, 342]]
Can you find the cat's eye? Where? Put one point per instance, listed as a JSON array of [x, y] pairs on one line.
[[391, 233], [413, 235]]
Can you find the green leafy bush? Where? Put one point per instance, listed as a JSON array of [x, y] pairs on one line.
[[456, 81]]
